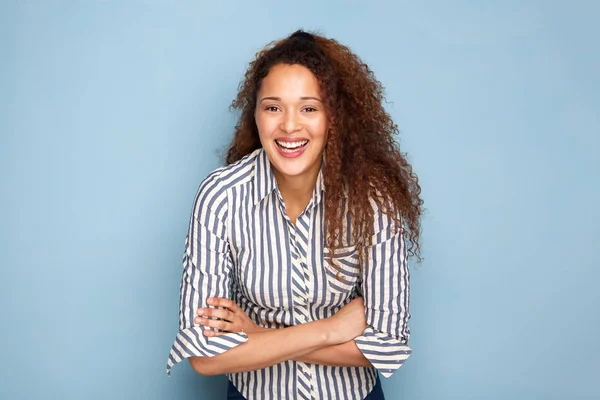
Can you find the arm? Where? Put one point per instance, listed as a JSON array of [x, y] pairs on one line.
[[206, 272], [345, 354], [267, 348], [385, 285], [314, 342], [341, 355]]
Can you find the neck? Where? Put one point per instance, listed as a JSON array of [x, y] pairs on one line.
[[296, 186], [297, 190]]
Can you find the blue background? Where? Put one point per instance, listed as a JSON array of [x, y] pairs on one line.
[[112, 112]]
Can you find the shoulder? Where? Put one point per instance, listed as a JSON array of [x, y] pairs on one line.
[[216, 187]]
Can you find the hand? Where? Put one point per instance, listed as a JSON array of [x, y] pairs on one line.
[[349, 322], [228, 319]]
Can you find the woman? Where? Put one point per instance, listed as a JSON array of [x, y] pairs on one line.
[[307, 230]]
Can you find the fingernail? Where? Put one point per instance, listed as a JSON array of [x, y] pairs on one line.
[[209, 301]]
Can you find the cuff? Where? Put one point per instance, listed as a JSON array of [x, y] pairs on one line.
[[191, 342], [384, 351]]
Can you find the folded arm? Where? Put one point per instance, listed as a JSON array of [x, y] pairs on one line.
[[267, 348], [382, 344], [325, 341]]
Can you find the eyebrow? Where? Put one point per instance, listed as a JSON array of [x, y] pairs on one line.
[[279, 98]]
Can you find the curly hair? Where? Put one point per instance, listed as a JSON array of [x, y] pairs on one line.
[[363, 165]]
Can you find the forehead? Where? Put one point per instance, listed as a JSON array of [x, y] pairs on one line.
[[292, 79]]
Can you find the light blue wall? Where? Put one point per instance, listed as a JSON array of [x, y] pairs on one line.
[[112, 112]]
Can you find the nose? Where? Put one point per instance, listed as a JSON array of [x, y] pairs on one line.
[[290, 122]]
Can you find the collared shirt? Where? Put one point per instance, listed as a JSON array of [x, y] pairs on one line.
[[242, 245]]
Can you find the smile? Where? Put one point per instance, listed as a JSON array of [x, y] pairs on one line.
[[291, 146]]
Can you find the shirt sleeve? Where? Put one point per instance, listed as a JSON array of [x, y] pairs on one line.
[[206, 273], [385, 287]]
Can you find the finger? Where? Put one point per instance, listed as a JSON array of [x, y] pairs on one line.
[[213, 323], [213, 333], [209, 322], [222, 302], [216, 313]]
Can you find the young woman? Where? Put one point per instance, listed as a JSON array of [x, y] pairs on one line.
[[295, 277]]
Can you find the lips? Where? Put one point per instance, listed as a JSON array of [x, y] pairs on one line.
[[291, 146]]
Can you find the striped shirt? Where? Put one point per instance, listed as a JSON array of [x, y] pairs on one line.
[[242, 245]]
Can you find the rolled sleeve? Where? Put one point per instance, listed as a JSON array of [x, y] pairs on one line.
[[206, 273], [191, 342], [385, 287]]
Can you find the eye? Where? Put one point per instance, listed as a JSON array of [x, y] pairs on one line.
[[271, 108], [310, 109]]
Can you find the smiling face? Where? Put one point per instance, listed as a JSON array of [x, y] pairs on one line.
[[292, 122]]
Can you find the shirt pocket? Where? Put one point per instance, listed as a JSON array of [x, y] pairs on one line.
[[344, 275]]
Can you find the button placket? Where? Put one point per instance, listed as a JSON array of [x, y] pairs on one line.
[[299, 245]]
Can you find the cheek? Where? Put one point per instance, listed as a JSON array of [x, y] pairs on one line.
[[320, 130], [260, 125], [264, 125]]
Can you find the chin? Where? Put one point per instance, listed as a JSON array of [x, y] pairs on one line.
[[290, 170]]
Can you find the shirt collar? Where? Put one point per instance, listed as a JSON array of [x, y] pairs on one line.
[[265, 182]]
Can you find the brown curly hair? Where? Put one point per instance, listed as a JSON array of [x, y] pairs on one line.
[[363, 162]]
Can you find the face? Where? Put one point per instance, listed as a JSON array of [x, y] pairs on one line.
[[292, 122]]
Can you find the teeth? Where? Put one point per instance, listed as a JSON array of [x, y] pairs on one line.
[[291, 145]]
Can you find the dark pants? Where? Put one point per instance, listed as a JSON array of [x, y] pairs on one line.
[[375, 394]]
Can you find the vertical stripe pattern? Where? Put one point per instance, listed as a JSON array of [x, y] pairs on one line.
[[242, 245]]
